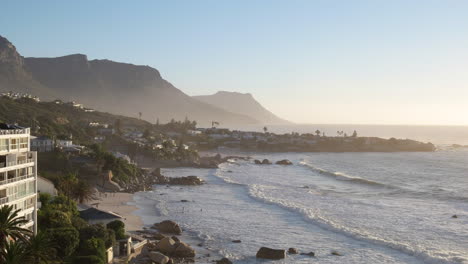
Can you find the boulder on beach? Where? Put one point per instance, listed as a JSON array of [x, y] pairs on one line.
[[293, 251], [284, 162], [158, 257], [167, 246], [158, 236], [269, 253], [183, 250], [168, 226], [224, 261]]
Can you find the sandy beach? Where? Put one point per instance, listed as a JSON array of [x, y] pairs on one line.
[[119, 204]]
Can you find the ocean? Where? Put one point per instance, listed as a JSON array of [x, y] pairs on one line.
[[369, 207]]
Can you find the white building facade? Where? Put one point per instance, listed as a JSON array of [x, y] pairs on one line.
[[18, 173]]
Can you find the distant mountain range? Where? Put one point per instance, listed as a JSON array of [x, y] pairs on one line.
[[121, 88], [240, 103]]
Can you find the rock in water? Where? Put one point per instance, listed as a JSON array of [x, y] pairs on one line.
[[266, 162], [336, 253], [257, 162], [284, 162], [169, 226], [310, 254], [293, 251], [224, 261], [183, 250], [158, 258], [269, 253], [454, 216], [236, 241]]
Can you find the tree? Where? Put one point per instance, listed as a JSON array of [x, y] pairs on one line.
[[140, 114], [67, 184], [354, 134], [68, 238], [317, 132], [13, 253], [40, 248], [265, 129], [83, 192], [10, 226]]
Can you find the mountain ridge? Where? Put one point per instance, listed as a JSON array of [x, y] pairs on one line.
[[241, 103], [106, 85]]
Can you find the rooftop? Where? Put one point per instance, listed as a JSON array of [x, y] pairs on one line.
[[96, 214], [9, 129]]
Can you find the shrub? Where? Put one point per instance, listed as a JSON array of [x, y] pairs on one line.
[[87, 260], [66, 238], [93, 247], [118, 227]]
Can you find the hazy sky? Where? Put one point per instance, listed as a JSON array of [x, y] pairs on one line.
[[368, 62]]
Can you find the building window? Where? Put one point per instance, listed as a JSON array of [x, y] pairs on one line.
[[24, 142], [4, 144]]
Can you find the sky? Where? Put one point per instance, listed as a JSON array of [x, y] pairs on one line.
[[310, 61]]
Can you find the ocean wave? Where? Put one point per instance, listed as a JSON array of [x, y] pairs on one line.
[[315, 217], [344, 177]]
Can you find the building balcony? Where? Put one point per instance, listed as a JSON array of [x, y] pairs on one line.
[[15, 179], [14, 163], [14, 197]]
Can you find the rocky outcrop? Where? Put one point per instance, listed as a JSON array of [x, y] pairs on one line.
[[158, 258], [169, 227], [263, 162], [186, 180], [284, 162], [269, 253], [177, 249], [224, 261], [293, 251], [336, 253], [183, 250], [310, 254]]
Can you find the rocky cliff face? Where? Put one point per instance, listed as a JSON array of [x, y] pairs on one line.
[[13, 76], [106, 85], [241, 103]]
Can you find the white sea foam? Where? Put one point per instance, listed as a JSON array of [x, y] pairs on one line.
[[373, 208]]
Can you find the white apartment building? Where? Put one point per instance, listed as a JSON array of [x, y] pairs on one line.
[[18, 173]]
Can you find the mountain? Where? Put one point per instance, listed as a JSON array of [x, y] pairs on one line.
[[105, 85], [244, 104], [13, 76]]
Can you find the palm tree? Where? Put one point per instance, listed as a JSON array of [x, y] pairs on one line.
[[10, 226], [83, 192], [14, 253], [39, 248]]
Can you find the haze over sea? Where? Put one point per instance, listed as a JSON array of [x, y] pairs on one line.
[[438, 135], [369, 207]]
